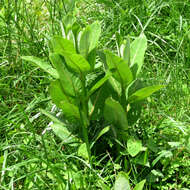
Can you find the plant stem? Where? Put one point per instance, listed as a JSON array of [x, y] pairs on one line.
[[84, 107], [123, 97]]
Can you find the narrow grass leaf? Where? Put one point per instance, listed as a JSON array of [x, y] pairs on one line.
[[42, 64], [144, 93]]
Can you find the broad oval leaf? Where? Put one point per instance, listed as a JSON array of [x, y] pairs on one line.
[[71, 84], [134, 146], [61, 45], [114, 113], [140, 185], [119, 68], [77, 63], [56, 93], [137, 52], [42, 64], [144, 93], [122, 182], [82, 151], [89, 38], [70, 111]]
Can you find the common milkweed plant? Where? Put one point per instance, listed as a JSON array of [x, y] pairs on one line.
[[78, 76]]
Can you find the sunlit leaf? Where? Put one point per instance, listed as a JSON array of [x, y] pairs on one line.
[[82, 151], [126, 51], [61, 45], [137, 52], [56, 92], [134, 146], [144, 93], [119, 68], [77, 63], [42, 64], [140, 185], [122, 182], [89, 38]]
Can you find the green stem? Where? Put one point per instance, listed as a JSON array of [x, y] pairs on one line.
[[84, 108], [123, 98]]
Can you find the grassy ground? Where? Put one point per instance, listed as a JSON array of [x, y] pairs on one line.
[[32, 157]]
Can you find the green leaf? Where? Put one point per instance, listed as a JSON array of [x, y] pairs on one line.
[[98, 98], [98, 84], [126, 51], [102, 185], [142, 159], [140, 185], [102, 132], [70, 111], [91, 58], [68, 22], [51, 116], [154, 176], [67, 79], [42, 64], [163, 153], [144, 93], [82, 151], [134, 146], [56, 93], [62, 132], [122, 182], [61, 45], [89, 38], [77, 63], [119, 68], [137, 52], [114, 113]]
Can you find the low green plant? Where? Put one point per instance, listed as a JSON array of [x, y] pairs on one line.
[[86, 88], [122, 183]]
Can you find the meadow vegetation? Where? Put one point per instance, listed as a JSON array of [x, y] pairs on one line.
[[95, 94]]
